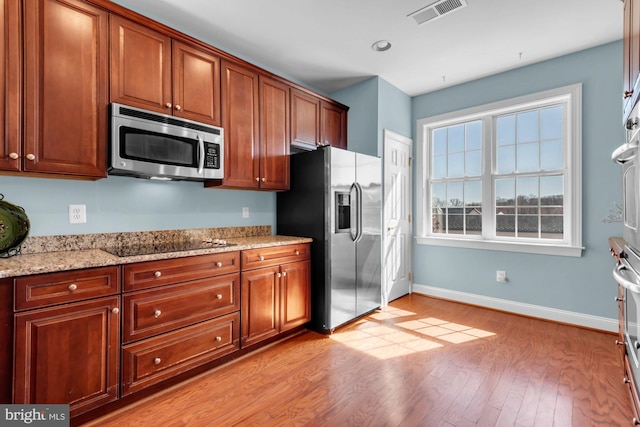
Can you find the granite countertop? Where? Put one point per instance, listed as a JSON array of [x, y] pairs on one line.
[[62, 257]]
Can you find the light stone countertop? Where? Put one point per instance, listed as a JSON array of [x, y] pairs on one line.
[[63, 260]]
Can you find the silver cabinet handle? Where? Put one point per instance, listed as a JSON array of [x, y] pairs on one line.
[[157, 273], [297, 252], [218, 264], [261, 258], [13, 156], [284, 274], [278, 275], [178, 107], [72, 287], [157, 361], [115, 310], [168, 105], [619, 342], [31, 156], [157, 313], [219, 296], [218, 339]]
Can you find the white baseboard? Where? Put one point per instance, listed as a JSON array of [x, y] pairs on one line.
[[570, 317]]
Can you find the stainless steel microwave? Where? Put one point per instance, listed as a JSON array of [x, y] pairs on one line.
[[146, 144]]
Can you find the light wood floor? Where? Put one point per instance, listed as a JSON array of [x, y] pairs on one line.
[[419, 362]]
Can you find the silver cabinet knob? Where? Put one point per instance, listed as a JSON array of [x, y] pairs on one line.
[[157, 313], [218, 264], [619, 342], [157, 274], [264, 179], [297, 252], [218, 296], [257, 179], [284, 274], [31, 156], [261, 258], [157, 361], [168, 105], [72, 287], [279, 275], [115, 310], [13, 156], [178, 108], [218, 338]]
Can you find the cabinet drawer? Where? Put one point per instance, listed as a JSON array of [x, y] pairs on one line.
[[155, 311], [155, 359], [55, 288], [274, 255], [150, 274]]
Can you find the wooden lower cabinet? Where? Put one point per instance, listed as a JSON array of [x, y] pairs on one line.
[[68, 354], [275, 293], [153, 360]]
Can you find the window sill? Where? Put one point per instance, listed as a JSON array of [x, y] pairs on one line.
[[495, 245]]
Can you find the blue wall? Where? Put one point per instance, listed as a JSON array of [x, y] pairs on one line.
[[582, 285], [119, 204], [375, 105]]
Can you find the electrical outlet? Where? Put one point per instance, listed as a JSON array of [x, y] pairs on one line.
[[501, 276], [245, 212], [77, 214]]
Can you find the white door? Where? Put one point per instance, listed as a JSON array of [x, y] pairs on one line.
[[397, 216]]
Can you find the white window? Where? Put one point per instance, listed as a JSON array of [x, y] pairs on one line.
[[504, 176]]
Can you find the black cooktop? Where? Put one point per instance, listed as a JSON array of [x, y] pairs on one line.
[[159, 248]]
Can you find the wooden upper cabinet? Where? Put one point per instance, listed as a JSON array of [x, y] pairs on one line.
[[65, 118], [140, 66], [274, 134], [196, 84], [10, 85], [333, 125], [316, 122], [240, 122], [631, 55], [305, 120], [150, 71]]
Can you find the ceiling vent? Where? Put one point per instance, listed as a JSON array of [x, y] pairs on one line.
[[437, 10]]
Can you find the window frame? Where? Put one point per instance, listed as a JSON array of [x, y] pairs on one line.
[[571, 244]]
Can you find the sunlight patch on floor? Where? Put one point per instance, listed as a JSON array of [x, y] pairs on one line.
[[383, 342], [390, 313], [443, 330]]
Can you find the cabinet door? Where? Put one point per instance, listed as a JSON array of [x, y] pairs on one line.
[[295, 295], [333, 125], [305, 120], [140, 66], [240, 123], [68, 354], [260, 304], [10, 85], [65, 88], [196, 84], [274, 135]]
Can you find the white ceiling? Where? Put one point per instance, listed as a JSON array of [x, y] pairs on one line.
[[326, 44]]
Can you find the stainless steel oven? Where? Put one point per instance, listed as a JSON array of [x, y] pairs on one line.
[[627, 274], [627, 156]]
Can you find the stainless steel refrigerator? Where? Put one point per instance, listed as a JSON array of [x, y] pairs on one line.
[[335, 198]]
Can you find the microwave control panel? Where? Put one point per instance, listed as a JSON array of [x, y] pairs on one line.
[[211, 155]]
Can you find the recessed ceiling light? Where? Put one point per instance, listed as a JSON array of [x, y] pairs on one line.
[[381, 45]]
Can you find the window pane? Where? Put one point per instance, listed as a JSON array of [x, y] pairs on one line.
[[506, 130], [439, 195], [528, 158], [527, 189], [552, 190], [506, 225], [474, 163], [455, 221], [440, 141], [505, 192], [551, 155], [528, 226], [455, 194], [456, 139], [473, 222], [506, 159], [474, 135], [528, 127], [552, 227], [473, 193], [551, 123], [456, 165], [439, 167]]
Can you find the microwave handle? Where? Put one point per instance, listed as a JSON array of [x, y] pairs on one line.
[[625, 152], [200, 154]]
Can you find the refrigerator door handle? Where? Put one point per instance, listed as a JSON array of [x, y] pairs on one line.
[[353, 196], [358, 211]]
